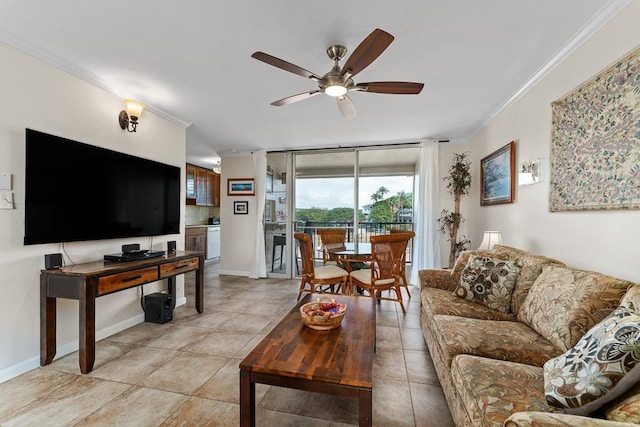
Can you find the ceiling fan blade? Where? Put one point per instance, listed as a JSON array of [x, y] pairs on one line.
[[396, 88], [284, 65], [346, 106], [295, 98], [367, 51]]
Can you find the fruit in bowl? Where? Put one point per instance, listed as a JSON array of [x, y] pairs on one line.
[[324, 314]]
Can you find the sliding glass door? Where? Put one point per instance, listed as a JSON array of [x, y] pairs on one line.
[[325, 193], [365, 191]]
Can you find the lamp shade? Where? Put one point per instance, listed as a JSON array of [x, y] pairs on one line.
[[490, 239], [134, 108]]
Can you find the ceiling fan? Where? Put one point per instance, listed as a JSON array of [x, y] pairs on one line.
[[339, 80]]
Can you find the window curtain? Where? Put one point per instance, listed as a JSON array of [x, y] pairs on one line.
[[259, 264], [426, 247]]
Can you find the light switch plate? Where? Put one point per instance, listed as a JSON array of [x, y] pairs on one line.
[[6, 199], [5, 181]]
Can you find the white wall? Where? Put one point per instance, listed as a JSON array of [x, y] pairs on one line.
[[604, 241], [41, 97], [236, 231]]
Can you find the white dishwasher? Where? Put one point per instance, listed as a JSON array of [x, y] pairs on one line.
[[213, 242]]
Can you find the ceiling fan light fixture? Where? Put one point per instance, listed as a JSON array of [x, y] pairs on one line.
[[335, 90]]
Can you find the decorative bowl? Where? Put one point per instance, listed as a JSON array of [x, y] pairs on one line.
[[324, 314]]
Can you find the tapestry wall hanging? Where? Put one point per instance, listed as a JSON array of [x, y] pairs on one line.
[[595, 142]]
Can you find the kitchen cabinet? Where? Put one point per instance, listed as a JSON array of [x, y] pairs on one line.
[[191, 185], [195, 239], [203, 187]]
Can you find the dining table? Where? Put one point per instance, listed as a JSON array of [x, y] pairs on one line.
[[353, 252]]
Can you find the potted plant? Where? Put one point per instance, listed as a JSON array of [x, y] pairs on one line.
[[458, 183]]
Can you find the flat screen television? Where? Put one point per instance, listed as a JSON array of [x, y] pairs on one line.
[[75, 192]]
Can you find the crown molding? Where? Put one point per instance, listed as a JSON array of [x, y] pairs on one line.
[[12, 40], [605, 14]]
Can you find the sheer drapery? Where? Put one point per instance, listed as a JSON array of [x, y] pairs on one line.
[[259, 264], [426, 247]]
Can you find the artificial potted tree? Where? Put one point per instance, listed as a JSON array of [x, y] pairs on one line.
[[458, 183]]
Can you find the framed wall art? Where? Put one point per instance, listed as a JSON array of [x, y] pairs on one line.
[[241, 208], [595, 142], [497, 176], [240, 187], [529, 172]]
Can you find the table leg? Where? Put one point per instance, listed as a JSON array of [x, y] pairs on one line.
[[87, 333], [171, 283], [200, 285], [247, 400], [47, 324], [366, 408]]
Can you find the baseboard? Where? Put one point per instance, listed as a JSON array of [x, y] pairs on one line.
[[234, 273], [62, 350]]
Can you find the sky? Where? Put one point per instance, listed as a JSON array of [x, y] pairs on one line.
[[331, 193]]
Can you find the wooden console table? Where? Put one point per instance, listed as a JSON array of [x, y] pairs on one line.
[[86, 282]]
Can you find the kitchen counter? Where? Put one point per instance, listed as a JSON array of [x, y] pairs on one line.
[[204, 238]]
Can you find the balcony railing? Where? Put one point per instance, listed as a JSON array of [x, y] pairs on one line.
[[365, 231]]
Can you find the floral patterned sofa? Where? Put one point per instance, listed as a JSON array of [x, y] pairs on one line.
[[504, 326]]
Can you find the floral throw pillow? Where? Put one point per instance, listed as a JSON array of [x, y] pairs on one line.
[[600, 367], [488, 281]]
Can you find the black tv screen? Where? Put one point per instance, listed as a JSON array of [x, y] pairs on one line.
[[75, 191]]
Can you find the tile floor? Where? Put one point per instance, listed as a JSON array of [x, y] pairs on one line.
[[185, 372]]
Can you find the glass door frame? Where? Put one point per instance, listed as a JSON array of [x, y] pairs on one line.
[[290, 222]]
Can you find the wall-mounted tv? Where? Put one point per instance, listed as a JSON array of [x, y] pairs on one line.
[[75, 191]]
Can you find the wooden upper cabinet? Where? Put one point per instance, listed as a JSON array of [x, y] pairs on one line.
[[191, 185], [204, 187], [214, 188]]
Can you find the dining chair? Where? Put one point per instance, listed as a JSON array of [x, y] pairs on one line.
[[316, 277], [403, 273], [331, 239], [387, 255]]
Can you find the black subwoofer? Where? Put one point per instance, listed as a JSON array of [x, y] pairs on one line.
[[158, 308]]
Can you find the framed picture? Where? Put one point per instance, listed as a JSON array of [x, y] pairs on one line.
[[240, 187], [497, 176], [240, 208], [529, 172]]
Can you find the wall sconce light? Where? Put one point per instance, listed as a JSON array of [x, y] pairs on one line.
[[131, 115], [490, 239], [217, 167]]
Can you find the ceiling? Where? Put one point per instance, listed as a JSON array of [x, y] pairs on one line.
[[191, 62]]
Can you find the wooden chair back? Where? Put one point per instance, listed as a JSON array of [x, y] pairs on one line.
[[388, 255], [331, 239], [306, 253], [403, 274]]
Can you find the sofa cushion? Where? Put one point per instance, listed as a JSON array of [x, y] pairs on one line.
[[564, 303], [440, 301], [502, 340], [600, 367], [463, 259], [631, 298], [531, 266], [493, 389], [488, 281], [626, 408]]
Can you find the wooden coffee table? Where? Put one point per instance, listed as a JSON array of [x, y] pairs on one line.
[[336, 362]]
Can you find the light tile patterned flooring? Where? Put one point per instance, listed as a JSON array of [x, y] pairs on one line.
[[185, 372]]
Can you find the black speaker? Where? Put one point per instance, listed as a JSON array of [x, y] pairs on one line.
[[130, 248], [171, 246], [158, 308], [52, 261]]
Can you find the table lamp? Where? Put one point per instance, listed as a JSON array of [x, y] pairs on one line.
[[490, 239]]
